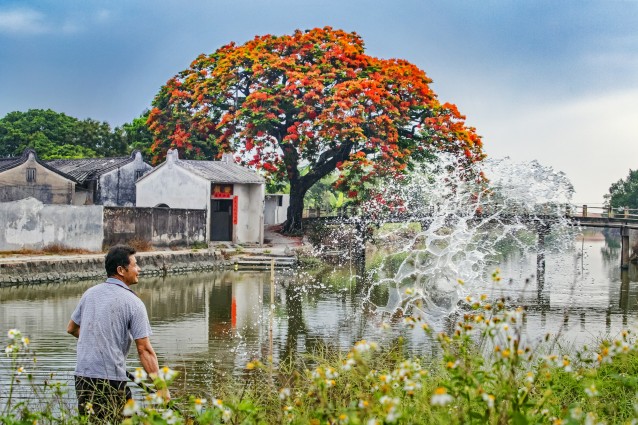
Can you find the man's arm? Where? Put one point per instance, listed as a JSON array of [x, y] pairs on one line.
[[148, 358], [73, 329]]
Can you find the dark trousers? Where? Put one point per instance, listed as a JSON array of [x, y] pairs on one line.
[[102, 399]]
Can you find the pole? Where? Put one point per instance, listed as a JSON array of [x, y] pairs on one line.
[[272, 308]]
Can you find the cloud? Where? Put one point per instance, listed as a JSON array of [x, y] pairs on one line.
[[22, 21]]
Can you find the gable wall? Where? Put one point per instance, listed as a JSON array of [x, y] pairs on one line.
[[175, 187], [117, 187], [49, 187]]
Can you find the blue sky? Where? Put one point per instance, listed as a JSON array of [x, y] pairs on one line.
[[555, 81]]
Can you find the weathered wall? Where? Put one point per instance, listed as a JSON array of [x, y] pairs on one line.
[[49, 187], [250, 215], [117, 187], [29, 224], [159, 226]]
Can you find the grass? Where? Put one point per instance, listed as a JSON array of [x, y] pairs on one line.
[[53, 249]]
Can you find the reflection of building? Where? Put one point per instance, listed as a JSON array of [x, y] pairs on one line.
[[232, 195]]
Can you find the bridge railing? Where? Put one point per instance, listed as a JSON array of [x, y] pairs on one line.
[[604, 211]]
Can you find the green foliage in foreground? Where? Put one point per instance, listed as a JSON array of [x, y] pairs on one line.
[[485, 374]]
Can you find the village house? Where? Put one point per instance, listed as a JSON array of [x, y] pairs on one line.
[[232, 195], [104, 181], [276, 208], [27, 176]]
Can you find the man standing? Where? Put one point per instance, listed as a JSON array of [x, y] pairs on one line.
[[108, 316]]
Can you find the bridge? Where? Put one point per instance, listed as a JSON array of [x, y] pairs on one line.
[[598, 216]]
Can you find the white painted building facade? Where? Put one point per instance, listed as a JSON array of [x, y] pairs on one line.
[[232, 195]]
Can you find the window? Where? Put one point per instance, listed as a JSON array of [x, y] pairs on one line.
[[138, 174], [30, 175]]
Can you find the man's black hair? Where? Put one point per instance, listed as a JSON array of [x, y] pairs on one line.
[[117, 256]]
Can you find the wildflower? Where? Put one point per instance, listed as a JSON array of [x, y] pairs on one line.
[[425, 327], [363, 404], [284, 393], [460, 282], [373, 421], [441, 397], [347, 365], [166, 373], [154, 398], [567, 364], [452, 365], [25, 340], [408, 322], [591, 391], [576, 413], [20, 370], [13, 333], [218, 403], [489, 399], [392, 415], [483, 297], [330, 383], [226, 415], [385, 326], [529, 377], [343, 418], [88, 408], [130, 408], [364, 346], [139, 375], [169, 416], [199, 404], [409, 291]]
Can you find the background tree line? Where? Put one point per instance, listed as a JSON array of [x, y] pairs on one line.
[[55, 135]]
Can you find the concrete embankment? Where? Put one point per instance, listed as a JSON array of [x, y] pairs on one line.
[[45, 269]]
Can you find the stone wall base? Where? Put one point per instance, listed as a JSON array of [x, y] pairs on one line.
[[43, 270]]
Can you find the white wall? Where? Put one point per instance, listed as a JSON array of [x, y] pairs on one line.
[[273, 213], [250, 214], [172, 185], [30, 224]]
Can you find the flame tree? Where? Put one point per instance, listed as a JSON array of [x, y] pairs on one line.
[[311, 101]]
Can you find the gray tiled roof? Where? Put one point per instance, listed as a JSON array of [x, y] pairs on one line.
[[221, 171], [89, 168], [9, 163]]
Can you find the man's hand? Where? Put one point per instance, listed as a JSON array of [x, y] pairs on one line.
[[73, 329], [165, 394]]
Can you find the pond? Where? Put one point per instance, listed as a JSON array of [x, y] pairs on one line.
[[209, 325]]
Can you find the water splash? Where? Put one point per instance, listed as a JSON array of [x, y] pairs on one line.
[[465, 226]]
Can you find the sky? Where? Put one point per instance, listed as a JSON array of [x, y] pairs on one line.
[[554, 81]]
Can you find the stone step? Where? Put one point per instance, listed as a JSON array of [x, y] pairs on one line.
[[264, 263]]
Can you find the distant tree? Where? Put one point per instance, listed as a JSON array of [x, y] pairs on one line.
[[138, 135], [56, 135], [312, 99], [624, 193]]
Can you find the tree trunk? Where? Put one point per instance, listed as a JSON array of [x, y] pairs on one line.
[[294, 224]]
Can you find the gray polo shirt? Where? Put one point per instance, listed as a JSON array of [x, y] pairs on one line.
[[110, 315]]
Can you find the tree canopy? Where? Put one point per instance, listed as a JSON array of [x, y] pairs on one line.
[[624, 193], [311, 99], [56, 135]]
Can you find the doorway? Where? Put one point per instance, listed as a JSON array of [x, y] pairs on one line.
[[221, 220]]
